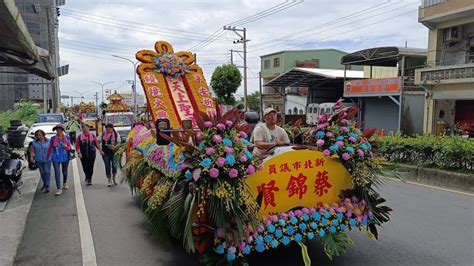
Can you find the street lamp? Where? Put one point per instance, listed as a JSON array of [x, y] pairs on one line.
[[80, 93], [102, 86], [134, 81]]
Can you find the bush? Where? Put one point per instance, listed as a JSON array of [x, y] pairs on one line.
[[27, 112], [450, 153]]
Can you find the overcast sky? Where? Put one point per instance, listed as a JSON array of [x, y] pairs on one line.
[[91, 31]]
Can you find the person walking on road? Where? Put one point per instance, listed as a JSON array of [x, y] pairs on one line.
[[109, 139], [73, 127], [58, 149], [39, 153], [86, 145]]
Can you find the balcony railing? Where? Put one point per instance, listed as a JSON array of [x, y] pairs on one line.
[[427, 3], [446, 74]]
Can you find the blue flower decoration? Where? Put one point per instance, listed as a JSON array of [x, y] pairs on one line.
[[310, 235], [332, 229], [364, 222], [369, 145], [352, 134], [327, 214], [220, 249], [274, 244], [293, 220], [343, 227], [281, 222], [298, 237], [339, 138], [285, 240], [305, 217], [334, 147], [313, 225], [352, 222], [259, 239], [268, 239], [188, 175], [335, 222], [322, 233], [248, 154], [246, 250], [278, 233], [339, 215], [230, 159], [231, 256], [350, 149], [289, 230], [271, 228], [320, 134], [206, 162], [260, 247], [303, 227], [324, 222], [201, 146], [317, 216], [227, 142], [364, 146], [245, 142]]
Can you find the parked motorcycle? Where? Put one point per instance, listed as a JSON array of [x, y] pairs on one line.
[[11, 169]]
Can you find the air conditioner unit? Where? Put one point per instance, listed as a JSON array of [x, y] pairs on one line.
[[453, 34]]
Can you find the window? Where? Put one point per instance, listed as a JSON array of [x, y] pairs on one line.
[[295, 110], [266, 64], [310, 110], [289, 111], [276, 62], [301, 111]]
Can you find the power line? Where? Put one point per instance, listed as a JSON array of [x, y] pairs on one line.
[[373, 8], [336, 27], [87, 14], [273, 10]]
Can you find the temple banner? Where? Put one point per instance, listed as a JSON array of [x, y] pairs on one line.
[[372, 87], [298, 178]]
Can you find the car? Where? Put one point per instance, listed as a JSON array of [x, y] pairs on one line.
[[52, 118], [122, 121], [46, 127]]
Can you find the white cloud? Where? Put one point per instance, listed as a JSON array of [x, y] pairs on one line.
[[197, 19]]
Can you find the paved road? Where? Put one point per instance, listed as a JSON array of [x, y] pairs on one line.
[[429, 227]]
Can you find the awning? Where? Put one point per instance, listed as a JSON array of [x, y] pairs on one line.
[[381, 56], [17, 48], [453, 95], [307, 77]]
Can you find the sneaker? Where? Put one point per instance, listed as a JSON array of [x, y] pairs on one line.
[[46, 190], [115, 183], [89, 182], [65, 186], [109, 183], [59, 192]]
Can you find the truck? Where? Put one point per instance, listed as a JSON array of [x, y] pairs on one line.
[[122, 121]]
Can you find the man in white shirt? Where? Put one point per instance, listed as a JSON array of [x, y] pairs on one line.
[[268, 135]]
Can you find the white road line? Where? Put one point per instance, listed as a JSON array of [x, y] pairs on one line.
[[433, 187], [87, 242]]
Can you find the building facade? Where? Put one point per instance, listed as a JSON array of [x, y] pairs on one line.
[[128, 99], [41, 19], [274, 64], [448, 78]]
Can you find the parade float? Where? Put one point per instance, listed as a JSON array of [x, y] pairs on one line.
[[198, 181]]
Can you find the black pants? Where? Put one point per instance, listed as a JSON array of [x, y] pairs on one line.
[[88, 167]]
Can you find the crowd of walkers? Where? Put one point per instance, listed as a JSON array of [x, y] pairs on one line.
[[60, 149]]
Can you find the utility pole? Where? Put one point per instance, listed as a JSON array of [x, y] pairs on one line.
[[243, 40], [96, 95], [231, 56]]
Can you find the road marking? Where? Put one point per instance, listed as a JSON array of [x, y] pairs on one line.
[[87, 242], [429, 186]]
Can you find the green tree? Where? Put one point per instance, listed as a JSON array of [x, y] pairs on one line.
[[224, 82], [253, 101]]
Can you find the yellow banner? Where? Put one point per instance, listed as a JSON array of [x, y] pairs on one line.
[[181, 99], [300, 178]]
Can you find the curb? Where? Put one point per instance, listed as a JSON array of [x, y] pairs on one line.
[[437, 177], [13, 219]]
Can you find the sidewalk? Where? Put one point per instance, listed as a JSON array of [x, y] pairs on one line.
[[13, 218]]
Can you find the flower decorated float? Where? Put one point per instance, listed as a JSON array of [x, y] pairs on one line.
[[204, 187]]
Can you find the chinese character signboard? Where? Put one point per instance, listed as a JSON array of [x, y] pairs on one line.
[[174, 86], [372, 87], [301, 178]]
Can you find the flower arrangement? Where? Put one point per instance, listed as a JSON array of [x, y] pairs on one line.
[[169, 64]]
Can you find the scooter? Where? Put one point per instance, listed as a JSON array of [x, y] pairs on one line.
[[11, 169]]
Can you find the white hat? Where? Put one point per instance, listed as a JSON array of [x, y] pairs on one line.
[[268, 110]]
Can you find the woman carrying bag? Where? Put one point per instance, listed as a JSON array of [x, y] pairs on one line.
[[39, 154], [59, 150], [110, 139], [86, 145]]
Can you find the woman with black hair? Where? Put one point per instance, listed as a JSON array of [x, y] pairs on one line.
[[86, 145], [110, 139], [39, 153]]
